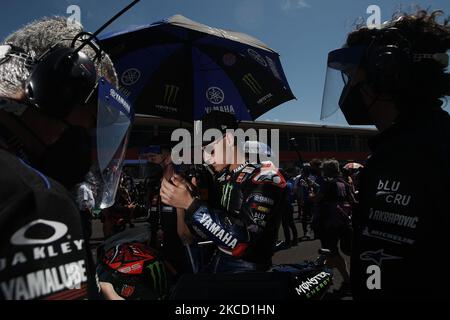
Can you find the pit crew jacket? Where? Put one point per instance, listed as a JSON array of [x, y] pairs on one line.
[[43, 253], [246, 223], [401, 245]]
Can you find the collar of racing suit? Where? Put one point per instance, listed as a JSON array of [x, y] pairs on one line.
[[222, 175], [226, 173]]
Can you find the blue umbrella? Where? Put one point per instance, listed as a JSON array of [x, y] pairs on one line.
[[180, 69]]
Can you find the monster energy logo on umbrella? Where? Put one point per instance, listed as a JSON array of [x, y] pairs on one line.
[[170, 94], [159, 277], [251, 82], [189, 59]]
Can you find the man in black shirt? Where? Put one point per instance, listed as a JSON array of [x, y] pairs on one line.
[[394, 78], [46, 134]]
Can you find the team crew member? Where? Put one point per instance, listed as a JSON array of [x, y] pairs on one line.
[[245, 225], [45, 149], [394, 78], [169, 231]]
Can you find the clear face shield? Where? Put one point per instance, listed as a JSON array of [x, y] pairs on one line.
[[114, 119], [343, 81]]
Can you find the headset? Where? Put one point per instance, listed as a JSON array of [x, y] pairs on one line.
[[62, 77], [389, 61]]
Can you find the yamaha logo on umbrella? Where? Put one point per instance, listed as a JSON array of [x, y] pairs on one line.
[[215, 95], [244, 77], [255, 55], [130, 76]]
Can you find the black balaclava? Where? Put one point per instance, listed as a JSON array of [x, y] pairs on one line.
[[69, 158]]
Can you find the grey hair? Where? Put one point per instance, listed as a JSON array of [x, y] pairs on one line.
[[36, 38]]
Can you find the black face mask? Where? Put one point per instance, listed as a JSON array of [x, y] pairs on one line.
[[354, 108], [69, 158]]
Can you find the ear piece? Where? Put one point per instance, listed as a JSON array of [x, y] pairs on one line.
[[389, 61], [60, 80]]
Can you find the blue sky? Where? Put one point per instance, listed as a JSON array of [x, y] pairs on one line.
[[302, 31]]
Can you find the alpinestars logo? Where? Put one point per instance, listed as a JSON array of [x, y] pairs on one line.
[[374, 271], [377, 256]]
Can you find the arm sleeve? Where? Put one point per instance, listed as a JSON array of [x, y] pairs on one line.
[[233, 233], [230, 233], [261, 206]]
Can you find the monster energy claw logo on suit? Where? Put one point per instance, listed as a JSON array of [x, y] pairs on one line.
[[226, 195]]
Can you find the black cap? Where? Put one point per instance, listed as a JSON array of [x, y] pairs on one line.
[[222, 121], [219, 120]]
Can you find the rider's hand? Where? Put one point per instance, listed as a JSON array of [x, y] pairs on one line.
[[108, 291], [177, 192]]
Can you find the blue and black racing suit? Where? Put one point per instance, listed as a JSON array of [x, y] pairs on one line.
[[245, 225]]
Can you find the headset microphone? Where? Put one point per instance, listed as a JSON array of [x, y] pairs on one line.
[[103, 27]]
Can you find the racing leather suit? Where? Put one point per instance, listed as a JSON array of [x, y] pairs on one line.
[[400, 245], [245, 225]]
